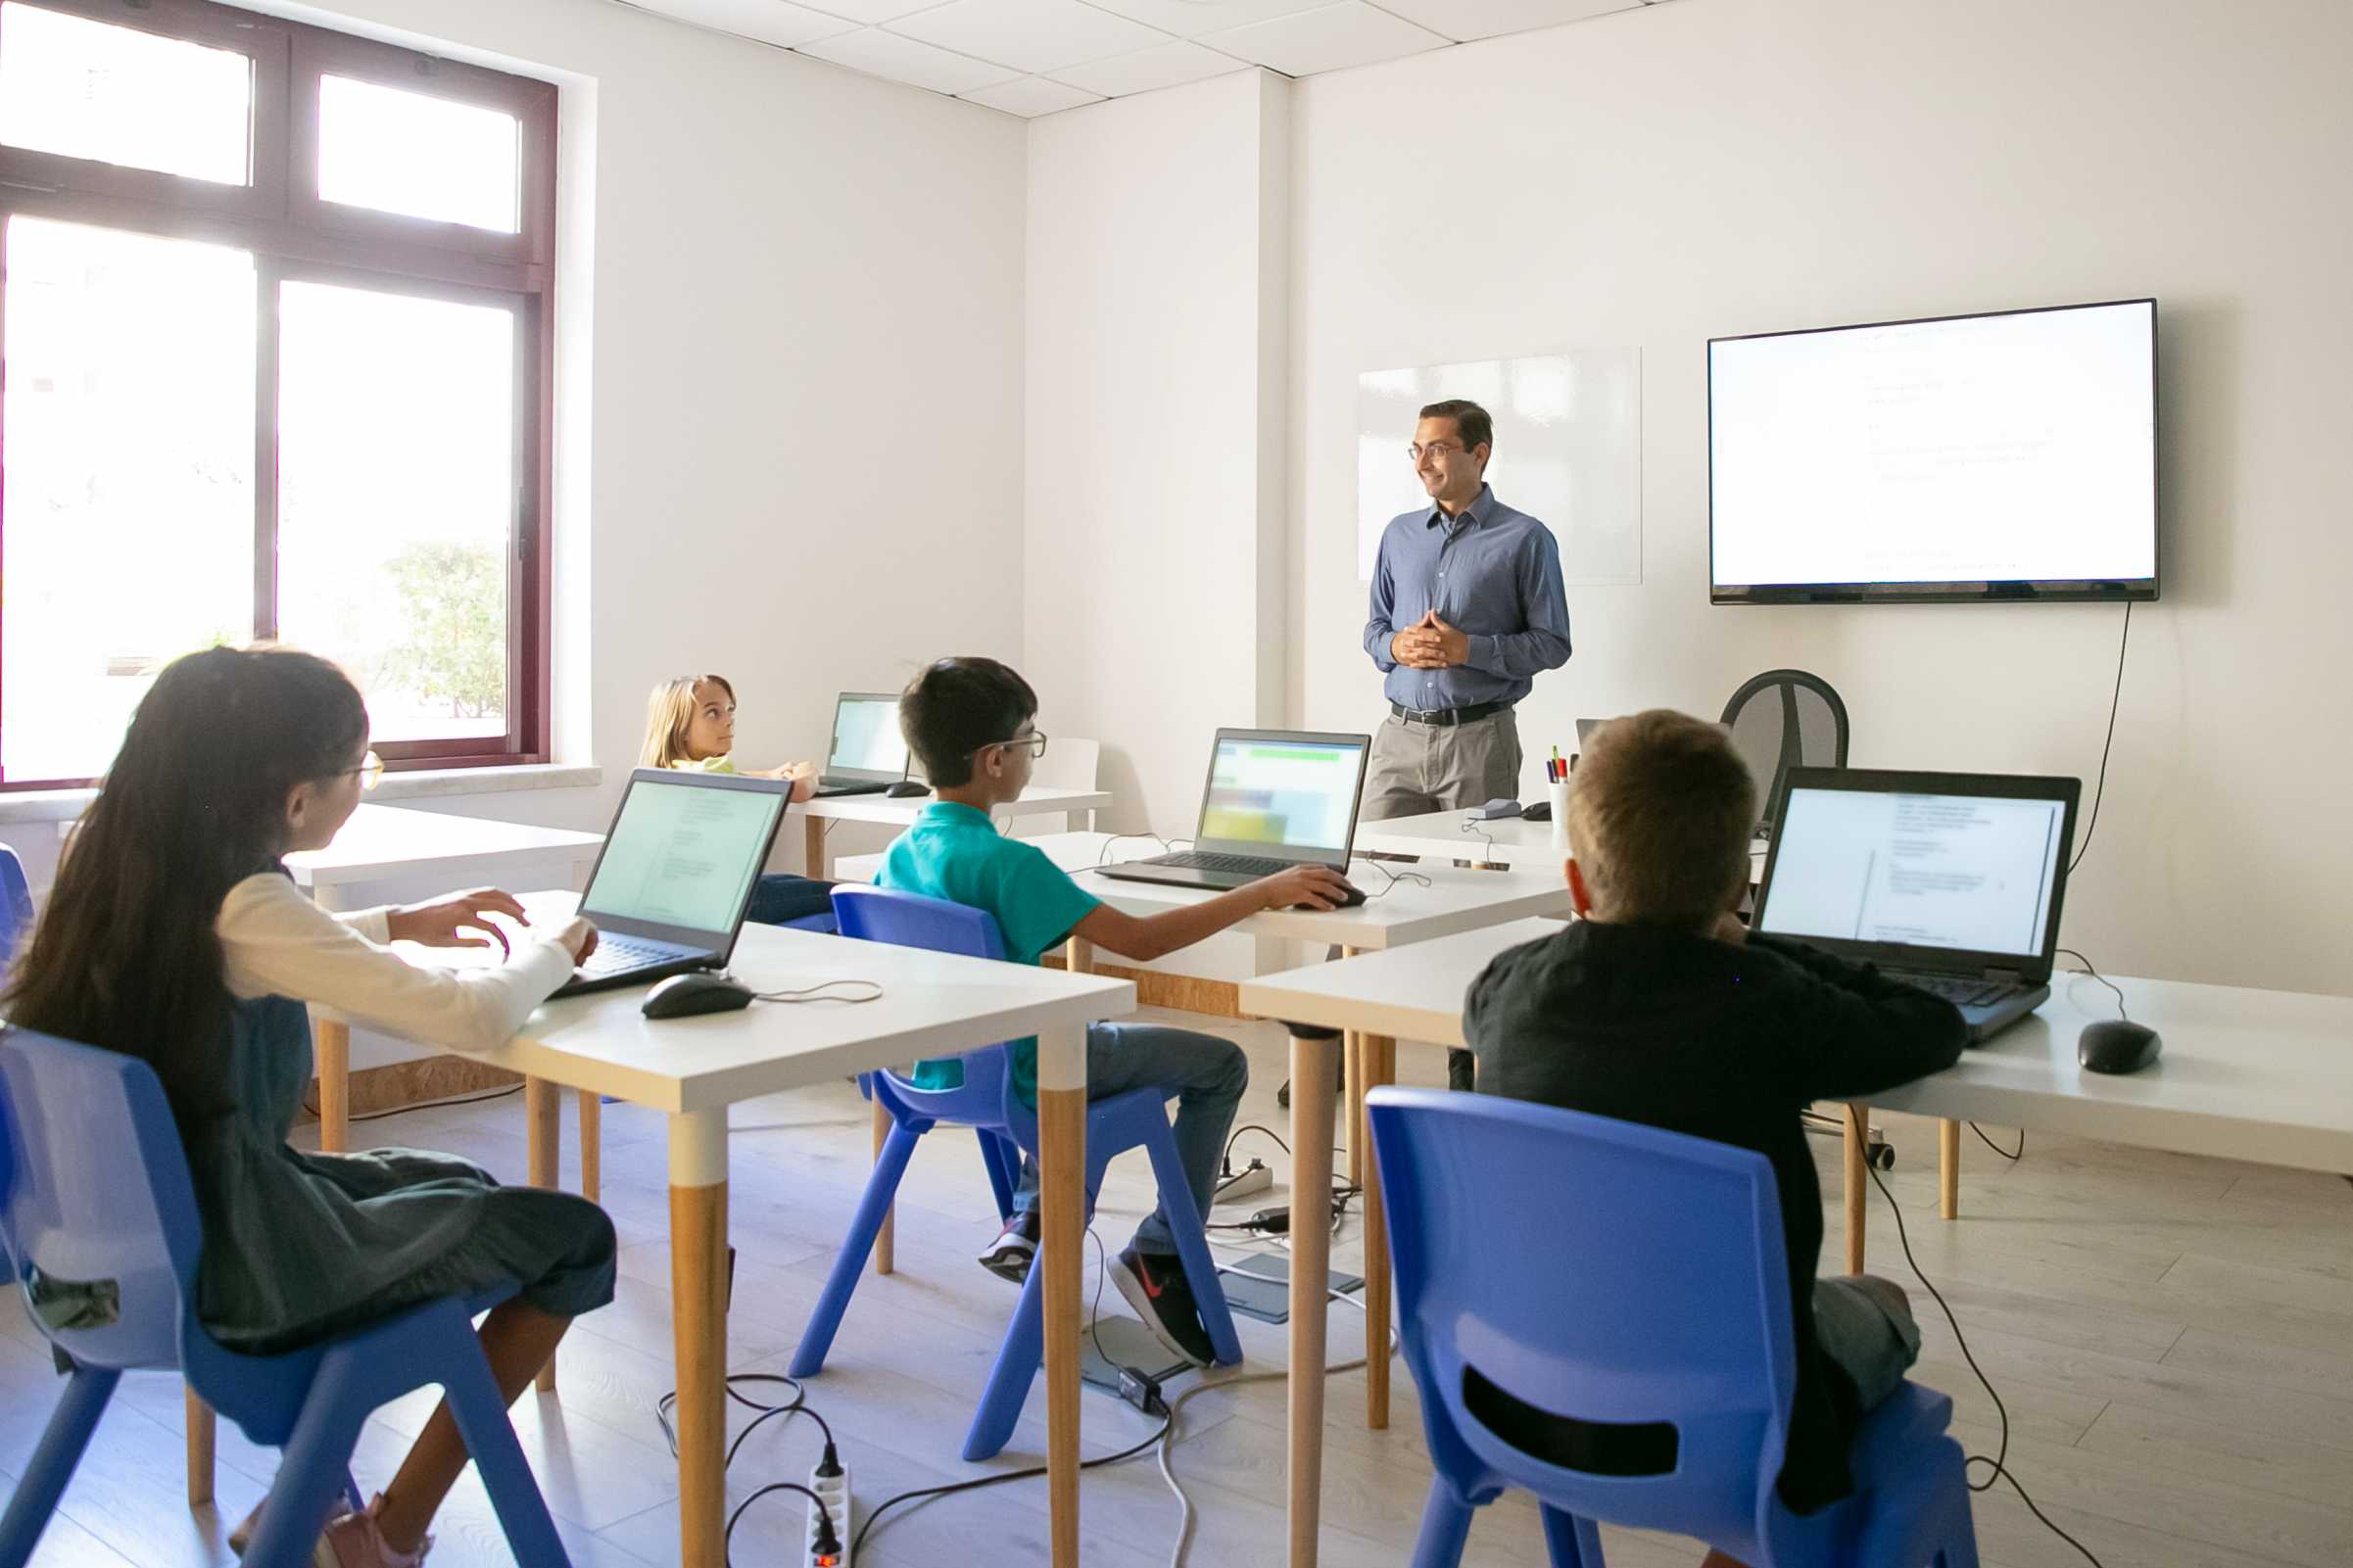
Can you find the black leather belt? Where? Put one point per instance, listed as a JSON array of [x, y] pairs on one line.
[[1446, 718]]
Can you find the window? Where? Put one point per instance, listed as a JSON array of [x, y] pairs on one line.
[[273, 363]]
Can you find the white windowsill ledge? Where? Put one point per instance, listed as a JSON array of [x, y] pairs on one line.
[[65, 805]]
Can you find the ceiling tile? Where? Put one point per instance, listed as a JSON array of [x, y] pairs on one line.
[[1031, 96], [1171, 65], [1331, 39], [874, 12], [887, 54], [1031, 36], [1465, 20], [777, 22], [1189, 18]]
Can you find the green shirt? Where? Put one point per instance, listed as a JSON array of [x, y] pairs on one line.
[[955, 853]]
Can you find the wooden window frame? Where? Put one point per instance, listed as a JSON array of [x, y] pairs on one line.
[[294, 236]]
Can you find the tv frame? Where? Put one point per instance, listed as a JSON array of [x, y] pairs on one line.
[[2031, 591]]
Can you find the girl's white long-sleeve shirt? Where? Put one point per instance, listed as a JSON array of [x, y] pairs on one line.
[[278, 943]]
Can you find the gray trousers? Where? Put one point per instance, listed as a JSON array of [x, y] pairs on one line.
[[1421, 768]]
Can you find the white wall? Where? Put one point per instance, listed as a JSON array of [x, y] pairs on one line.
[[1717, 166]]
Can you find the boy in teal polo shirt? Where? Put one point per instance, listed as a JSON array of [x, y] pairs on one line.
[[972, 722]]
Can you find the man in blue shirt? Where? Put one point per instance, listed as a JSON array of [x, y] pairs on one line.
[[1467, 609]]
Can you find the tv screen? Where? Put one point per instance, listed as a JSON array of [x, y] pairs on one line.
[[2010, 455]]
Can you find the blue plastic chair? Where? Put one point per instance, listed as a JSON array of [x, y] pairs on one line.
[[987, 1103], [94, 1191], [1648, 1288], [15, 903]]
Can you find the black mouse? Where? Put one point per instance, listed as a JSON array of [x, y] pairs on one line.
[[682, 996], [2117, 1045], [1350, 899], [906, 788]]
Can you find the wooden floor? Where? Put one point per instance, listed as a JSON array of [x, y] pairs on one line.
[[2172, 1337]]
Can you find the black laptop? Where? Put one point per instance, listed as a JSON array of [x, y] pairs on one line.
[[676, 874], [869, 754], [1275, 799], [1950, 881]]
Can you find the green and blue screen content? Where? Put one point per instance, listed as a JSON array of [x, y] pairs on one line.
[[1281, 793]]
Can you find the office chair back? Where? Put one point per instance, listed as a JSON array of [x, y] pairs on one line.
[[16, 905], [1785, 719]]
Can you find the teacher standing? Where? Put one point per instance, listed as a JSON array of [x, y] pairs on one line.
[[1467, 609]]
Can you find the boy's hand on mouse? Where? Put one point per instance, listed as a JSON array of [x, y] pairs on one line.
[[579, 936], [443, 922], [1314, 886]]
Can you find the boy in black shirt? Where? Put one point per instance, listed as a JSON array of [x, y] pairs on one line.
[[1660, 1007]]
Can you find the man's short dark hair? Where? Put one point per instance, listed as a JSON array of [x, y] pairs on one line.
[[1471, 421], [957, 706]]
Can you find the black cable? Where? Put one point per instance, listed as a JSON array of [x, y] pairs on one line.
[[858, 1543], [425, 1105], [2001, 1460], [2102, 978], [2013, 1159], [2114, 698], [1395, 877], [1227, 1155], [727, 1540], [814, 993]]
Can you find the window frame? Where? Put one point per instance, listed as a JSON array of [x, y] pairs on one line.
[[294, 236]]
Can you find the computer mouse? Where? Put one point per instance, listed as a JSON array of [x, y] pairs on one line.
[[682, 996], [906, 788], [2117, 1045], [1348, 900]]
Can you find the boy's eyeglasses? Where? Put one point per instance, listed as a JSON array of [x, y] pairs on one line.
[[370, 770], [1034, 742]]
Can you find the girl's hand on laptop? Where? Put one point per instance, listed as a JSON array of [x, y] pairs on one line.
[[1314, 886], [579, 935], [443, 922]]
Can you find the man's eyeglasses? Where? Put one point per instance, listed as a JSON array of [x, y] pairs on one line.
[[1435, 448], [1036, 742], [370, 770]]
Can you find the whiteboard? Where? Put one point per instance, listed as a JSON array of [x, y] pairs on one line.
[[1568, 450]]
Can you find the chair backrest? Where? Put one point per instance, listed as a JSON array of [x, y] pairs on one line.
[[1551, 1264], [1785, 719], [1067, 764], [16, 904], [95, 1196], [909, 920]]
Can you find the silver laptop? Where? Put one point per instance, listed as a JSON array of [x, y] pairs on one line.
[[1950, 881], [1275, 799], [676, 874], [869, 754], [1587, 729]]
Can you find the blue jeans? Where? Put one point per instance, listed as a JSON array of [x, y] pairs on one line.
[[1209, 1075]]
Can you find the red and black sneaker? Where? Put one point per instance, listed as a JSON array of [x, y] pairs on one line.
[[1010, 1256], [1156, 1287]]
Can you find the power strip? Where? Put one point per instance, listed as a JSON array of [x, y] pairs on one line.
[[835, 1490], [1252, 1177]]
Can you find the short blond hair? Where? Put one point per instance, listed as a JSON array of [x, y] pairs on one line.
[[669, 713], [1661, 818]]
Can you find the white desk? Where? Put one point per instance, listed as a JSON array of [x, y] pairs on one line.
[[933, 1004], [385, 841], [1513, 842], [2258, 1075], [1035, 801]]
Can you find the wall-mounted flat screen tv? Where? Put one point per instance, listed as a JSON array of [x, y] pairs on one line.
[[2004, 456]]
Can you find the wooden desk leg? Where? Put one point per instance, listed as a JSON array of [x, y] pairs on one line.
[[813, 854], [199, 1450], [1381, 1067], [1062, 1193], [1312, 1100], [543, 1122], [884, 1258], [1352, 1050], [1948, 1169], [591, 1145], [698, 1296], [1858, 1184], [332, 1052]]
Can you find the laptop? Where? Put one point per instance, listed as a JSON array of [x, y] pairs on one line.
[[1587, 729], [869, 754], [676, 874], [1275, 799], [1950, 881]]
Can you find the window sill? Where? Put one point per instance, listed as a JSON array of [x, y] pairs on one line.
[[423, 784]]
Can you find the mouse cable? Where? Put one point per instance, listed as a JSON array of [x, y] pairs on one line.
[[2121, 1010], [818, 993], [1395, 877], [2000, 1461], [2114, 698]]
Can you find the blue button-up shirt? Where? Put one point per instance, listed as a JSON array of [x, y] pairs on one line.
[[1491, 572]]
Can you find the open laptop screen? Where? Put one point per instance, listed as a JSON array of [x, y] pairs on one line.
[[684, 855], [866, 737], [1968, 873], [1294, 792]]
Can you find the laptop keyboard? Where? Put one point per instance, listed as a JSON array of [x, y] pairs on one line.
[[617, 955], [1961, 991], [1241, 865]]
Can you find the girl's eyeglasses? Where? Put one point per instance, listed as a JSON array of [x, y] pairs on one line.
[[370, 770], [1034, 742]]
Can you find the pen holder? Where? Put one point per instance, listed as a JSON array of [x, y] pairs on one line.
[[1558, 792]]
